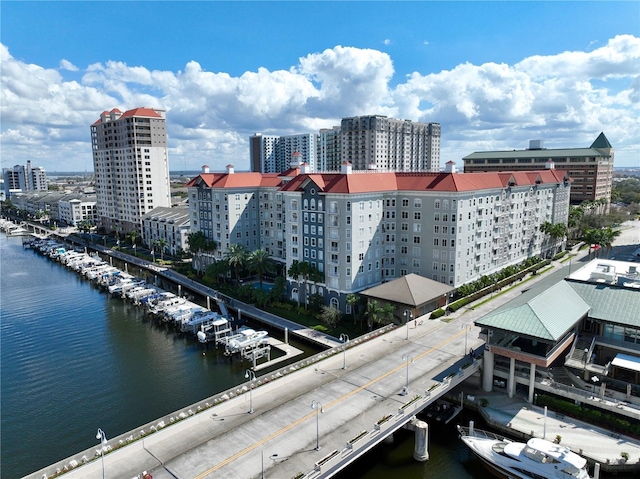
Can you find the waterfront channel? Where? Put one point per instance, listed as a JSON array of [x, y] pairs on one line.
[[74, 360]]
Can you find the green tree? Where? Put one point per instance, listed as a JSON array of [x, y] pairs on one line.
[[554, 232], [236, 256], [353, 300], [330, 316], [374, 313], [133, 237], [261, 263], [216, 269], [294, 273], [161, 243], [198, 243], [388, 311]]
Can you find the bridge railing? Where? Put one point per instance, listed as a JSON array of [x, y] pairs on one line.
[[389, 423]]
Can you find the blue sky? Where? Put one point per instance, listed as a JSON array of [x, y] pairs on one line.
[[494, 74]]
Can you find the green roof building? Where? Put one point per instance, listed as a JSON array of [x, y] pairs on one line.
[[591, 169]]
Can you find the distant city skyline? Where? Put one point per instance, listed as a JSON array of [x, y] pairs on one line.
[[493, 74]]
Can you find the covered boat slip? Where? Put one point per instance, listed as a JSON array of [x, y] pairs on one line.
[[627, 367]]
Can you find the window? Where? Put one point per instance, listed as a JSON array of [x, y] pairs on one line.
[[405, 202], [417, 203], [417, 215], [436, 204], [416, 240]]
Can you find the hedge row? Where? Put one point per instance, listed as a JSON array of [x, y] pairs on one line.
[[594, 416]]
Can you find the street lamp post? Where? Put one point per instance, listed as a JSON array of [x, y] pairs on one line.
[[408, 315], [251, 376], [317, 405], [101, 436], [344, 339], [409, 359], [466, 327]]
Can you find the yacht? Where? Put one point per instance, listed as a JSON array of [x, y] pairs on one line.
[[538, 458]]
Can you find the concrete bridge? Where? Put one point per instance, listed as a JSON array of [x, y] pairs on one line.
[[361, 394]]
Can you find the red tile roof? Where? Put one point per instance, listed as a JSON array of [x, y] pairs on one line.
[[372, 182], [141, 112]]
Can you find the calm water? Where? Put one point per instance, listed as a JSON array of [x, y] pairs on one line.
[[73, 360]]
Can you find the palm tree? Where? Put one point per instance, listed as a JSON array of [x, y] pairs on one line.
[[554, 231], [294, 273], [304, 270], [374, 311], [236, 256], [352, 300], [388, 311], [162, 244], [133, 237], [260, 262]]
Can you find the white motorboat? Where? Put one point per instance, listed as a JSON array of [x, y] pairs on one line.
[[246, 338], [537, 458]]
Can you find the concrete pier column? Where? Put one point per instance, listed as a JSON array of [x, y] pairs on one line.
[[532, 382], [286, 335], [208, 302], [179, 290], [421, 447], [511, 385], [388, 439], [596, 471], [487, 371]]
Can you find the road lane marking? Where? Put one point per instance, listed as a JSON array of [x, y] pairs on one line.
[[330, 404]]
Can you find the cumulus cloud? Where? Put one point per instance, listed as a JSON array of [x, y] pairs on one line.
[[565, 99], [67, 65]]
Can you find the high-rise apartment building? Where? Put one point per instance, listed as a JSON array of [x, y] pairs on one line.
[[376, 142], [329, 149], [591, 169], [367, 142], [273, 154], [23, 179], [131, 166], [360, 228]]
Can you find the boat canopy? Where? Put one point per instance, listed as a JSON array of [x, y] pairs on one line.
[[626, 361]]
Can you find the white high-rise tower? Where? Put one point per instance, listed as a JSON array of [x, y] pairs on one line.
[[131, 166]]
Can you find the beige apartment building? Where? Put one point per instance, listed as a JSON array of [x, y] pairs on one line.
[[131, 166]]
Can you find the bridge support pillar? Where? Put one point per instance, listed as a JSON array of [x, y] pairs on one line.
[[511, 383], [487, 371], [421, 441], [532, 382], [286, 335], [388, 439], [208, 302]]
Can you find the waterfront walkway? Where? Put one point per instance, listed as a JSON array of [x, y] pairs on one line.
[[518, 418]]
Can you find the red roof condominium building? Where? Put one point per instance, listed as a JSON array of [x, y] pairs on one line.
[[361, 228]]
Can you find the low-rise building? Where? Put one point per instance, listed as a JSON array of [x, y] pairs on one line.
[[74, 211], [171, 225], [588, 323]]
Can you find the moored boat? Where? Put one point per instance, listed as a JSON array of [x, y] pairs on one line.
[[537, 458]]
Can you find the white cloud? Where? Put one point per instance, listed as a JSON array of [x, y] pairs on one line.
[[565, 99], [67, 65], [387, 41]]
